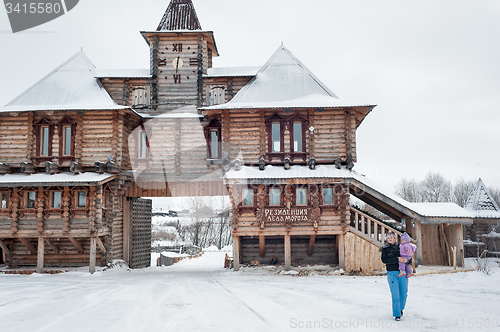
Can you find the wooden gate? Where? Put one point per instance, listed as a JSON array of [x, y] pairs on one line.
[[140, 255]]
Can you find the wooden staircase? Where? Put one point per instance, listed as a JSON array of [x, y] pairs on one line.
[[369, 228]]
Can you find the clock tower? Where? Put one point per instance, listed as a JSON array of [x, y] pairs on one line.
[[180, 53]]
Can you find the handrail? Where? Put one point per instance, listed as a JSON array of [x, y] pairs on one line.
[[372, 227]]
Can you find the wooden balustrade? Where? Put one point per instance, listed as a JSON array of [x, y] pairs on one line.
[[370, 226]]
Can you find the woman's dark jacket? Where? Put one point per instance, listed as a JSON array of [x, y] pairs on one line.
[[390, 254]]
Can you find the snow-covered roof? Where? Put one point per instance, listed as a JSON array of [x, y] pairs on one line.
[[71, 86], [284, 82], [66, 178], [123, 73], [425, 210], [481, 203], [232, 71]]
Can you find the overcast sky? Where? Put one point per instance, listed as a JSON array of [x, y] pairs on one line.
[[432, 67]]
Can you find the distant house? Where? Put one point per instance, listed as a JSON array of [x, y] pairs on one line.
[[485, 211]]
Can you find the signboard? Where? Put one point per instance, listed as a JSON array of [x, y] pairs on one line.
[[286, 215]]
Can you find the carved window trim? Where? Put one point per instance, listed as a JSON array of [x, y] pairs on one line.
[[254, 198], [40, 139], [304, 124], [142, 137], [294, 197], [335, 196], [23, 199], [268, 196], [275, 119], [74, 208], [213, 127], [61, 131], [5, 195]]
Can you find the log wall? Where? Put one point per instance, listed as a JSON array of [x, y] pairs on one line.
[[14, 137]]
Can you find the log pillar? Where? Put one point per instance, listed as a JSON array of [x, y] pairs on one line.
[[41, 249], [236, 252], [418, 237], [341, 250], [262, 245], [93, 253], [288, 252]]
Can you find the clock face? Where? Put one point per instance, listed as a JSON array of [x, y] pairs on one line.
[[177, 63]]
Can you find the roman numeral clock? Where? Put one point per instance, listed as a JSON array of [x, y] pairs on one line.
[[176, 64]]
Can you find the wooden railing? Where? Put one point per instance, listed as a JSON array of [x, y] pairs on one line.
[[371, 227]]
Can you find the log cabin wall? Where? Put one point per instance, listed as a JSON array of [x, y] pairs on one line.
[[14, 136], [231, 86]]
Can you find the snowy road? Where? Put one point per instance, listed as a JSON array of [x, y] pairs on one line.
[[199, 295]]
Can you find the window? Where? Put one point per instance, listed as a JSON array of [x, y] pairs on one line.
[[216, 95], [4, 200], [66, 132], [141, 97], [213, 137], [276, 137], [44, 130], [143, 144], [67, 141], [81, 199], [297, 136], [247, 197], [44, 141], [55, 200], [30, 199], [328, 196], [275, 130], [275, 196], [301, 196]]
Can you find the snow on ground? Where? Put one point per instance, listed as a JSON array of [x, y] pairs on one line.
[[200, 295]]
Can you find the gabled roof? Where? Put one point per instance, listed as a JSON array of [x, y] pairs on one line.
[[480, 199], [180, 15], [71, 86], [284, 82]]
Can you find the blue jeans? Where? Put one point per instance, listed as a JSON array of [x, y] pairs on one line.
[[399, 291]]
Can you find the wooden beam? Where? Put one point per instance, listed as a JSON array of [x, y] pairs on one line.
[[4, 248], [418, 238], [236, 252], [101, 245], [288, 252], [76, 244], [93, 253], [52, 246], [41, 250], [262, 245], [28, 245], [310, 248], [341, 250]]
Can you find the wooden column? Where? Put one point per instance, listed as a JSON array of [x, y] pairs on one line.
[[93, 252], [310, 247], [460, 245], [418, 238], [236, 252], [288, 252], [262, 245], [127, 231], [341, 250], [41, 249], [409, 227]]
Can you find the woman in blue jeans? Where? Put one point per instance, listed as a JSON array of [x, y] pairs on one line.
[[398, 286]]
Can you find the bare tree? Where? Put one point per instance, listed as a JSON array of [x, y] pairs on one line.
[[435, 188], [409, 190], [462, 190]]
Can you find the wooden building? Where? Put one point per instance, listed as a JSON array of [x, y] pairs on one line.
[[79, 149]]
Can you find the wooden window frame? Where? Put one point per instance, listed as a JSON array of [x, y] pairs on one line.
[[216, 126], [64, 123], [268, 190], [39, 125], [74, 208], [248, 207], [294, 191], [275, 118], [137, 159], [8, 205], [293, 119], [334, 197]]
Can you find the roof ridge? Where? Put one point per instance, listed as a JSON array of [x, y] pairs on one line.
[[43, 79]]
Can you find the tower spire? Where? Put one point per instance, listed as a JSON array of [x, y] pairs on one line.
[[180, 15]]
